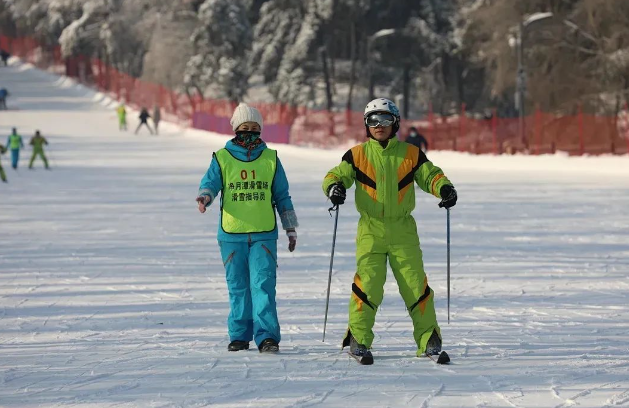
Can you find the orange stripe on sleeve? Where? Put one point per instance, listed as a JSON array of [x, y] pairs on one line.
[[434, 182]]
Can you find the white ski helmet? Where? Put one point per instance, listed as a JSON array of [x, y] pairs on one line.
[[383, 105]]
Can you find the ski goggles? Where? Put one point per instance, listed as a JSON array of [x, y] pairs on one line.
[[381, 119]]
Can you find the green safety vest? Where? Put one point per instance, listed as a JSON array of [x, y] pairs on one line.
[[246, 203], [14, 141]]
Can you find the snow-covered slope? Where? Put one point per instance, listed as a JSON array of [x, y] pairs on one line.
[[112, 292]]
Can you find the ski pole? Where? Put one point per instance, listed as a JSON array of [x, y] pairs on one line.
[[448, 233], [327, 301]]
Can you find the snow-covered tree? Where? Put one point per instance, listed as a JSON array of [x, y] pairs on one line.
[[169, 48], [220, 66], [81, 37], [575, 56], [276, 29], [48, 19], [294, 81], [123, 48], [8, 18]]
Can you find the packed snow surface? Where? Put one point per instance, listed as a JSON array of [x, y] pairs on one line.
[[112, 291]]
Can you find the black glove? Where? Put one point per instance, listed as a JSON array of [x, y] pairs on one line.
[[337, 194], [448, 196]]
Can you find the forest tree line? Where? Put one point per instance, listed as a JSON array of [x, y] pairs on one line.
[[336, 54]]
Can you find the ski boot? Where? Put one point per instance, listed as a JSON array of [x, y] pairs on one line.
[[360, 352], [269, 346], [238, 345], [433, 347]]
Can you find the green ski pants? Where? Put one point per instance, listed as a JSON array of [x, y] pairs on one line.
[[394, 239], [39, 153]]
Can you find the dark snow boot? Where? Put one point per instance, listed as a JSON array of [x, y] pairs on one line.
[[433, 347], [360, 352], [238, 345], [269, 346]]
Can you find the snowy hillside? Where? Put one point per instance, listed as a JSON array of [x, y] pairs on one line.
[[112, 291]]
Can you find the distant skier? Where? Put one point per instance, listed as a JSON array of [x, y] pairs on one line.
[[253, 185], [4, 94], [384, 170], [14, 142], [3, 175], [38, 142], [4, 55], [417, 139], [122, 117], [157, 117], [144, 117]]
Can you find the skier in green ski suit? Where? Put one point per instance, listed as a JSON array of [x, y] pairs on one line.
[[122, 117], [38, 142], [384, 170]]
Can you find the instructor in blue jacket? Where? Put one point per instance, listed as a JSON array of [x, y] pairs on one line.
[[15, 143], [253, 186]]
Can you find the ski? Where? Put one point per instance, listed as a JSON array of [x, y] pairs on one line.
[[443, 358], [367, 359]]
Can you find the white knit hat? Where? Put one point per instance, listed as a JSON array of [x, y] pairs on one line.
[[245, 113]]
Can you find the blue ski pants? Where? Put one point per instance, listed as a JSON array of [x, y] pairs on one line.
[[250, 271], [15, 157]]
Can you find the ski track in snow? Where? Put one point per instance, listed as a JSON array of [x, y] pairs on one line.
[[112, 290]]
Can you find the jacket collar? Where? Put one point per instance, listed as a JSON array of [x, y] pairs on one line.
[[390, 146], [241, 152]]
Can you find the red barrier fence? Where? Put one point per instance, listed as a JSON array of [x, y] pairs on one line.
[[543, 132]]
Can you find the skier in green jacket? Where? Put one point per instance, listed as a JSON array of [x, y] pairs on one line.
[[38, 142], [384, 170], [121, 111]]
